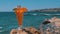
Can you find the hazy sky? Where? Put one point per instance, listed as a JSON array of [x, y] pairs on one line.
[[8, 5]]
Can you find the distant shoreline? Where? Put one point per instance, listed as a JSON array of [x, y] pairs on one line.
[[47, 10], [41, 10]]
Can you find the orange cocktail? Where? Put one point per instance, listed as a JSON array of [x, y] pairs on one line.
[[19, 14]]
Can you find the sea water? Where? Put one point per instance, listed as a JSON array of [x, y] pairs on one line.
[[8, 20]]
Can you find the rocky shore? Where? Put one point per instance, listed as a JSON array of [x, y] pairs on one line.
[[49, 26], [28, 30]]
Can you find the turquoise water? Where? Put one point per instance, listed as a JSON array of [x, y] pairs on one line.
[[8, 20]]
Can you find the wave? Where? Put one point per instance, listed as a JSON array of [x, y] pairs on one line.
[[34, 14], [46, 14], [1, 30], [43, 14], [53, 14], [31, 14], [1, 27]]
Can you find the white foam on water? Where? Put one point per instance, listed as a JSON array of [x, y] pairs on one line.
[[1, 30], [34, 14], [56, 14], [1, 27], [52, 14]]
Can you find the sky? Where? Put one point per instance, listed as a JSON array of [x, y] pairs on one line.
[[8, 5]]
